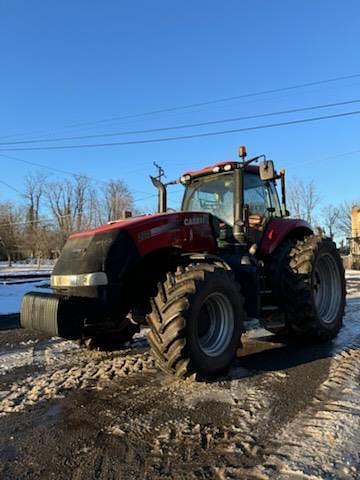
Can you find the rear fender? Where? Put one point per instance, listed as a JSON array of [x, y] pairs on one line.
[[278, 229]]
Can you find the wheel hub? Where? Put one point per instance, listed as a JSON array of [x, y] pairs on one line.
[[216, 324], [327, 288]]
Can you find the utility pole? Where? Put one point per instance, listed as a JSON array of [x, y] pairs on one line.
[[161, 171]]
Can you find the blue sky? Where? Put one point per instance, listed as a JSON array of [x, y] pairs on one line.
[[64, 64]]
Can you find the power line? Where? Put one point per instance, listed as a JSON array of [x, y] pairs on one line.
[[221, 100], [184, 137], [189, 125], [172, 192], [12, 188], [205, 103], [63, 171], [328, 157], [40, 165], [73, 174], [57, 170]]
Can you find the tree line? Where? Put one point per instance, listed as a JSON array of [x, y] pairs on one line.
[[304, 201], [50, 210]]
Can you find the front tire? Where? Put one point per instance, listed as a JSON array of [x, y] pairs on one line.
[[196, 320], [309, 285]]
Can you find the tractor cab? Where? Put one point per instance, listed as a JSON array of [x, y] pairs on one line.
[[241, 197], [214, 192], [245, 210]]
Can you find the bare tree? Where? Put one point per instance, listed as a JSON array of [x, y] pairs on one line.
[[69, 202], [91, 219], [9, 230], [82, 199], [330, 219], [303, 199], [115, 197], [72, 205], [60, 198], [45, 242], [34, 191]]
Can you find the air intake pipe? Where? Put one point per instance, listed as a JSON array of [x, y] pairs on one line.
[[162, 199]]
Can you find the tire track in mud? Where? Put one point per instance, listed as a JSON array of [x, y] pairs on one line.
[[176, 428], [321, 437], [278, 423], [54, 366], [231, 428], [228, 424], [323, 440], [165, 429]]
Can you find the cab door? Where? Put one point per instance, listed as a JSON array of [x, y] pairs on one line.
[[262, 202]]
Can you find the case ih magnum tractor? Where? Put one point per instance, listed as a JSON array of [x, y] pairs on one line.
[[194, 276]]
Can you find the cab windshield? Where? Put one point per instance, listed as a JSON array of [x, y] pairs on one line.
[[215, 195]]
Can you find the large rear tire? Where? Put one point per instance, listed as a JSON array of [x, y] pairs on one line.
[[308, 282], [196, 321]]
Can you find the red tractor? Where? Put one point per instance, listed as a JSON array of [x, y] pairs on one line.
[[194, 276]]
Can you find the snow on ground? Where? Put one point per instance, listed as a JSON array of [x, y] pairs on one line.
[[31, 269], [13, 290], [11, 295], [353, 273]]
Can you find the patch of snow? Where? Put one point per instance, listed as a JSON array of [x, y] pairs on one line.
[[352, 273], [19, 268], [11, 296], [324, 440], [9, 361], [27, 264]]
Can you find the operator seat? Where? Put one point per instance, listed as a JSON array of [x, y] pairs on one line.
[[256, 221], [257, 224]]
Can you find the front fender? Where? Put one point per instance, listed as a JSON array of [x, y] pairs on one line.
[[117, 249]]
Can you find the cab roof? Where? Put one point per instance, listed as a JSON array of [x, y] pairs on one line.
[[210, 169]]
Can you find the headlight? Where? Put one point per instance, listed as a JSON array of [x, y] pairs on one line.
[[81, 280]]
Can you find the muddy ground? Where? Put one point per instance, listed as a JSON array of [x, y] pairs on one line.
[[280, 412]]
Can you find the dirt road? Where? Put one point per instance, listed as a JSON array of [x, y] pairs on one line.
[[280, 412]]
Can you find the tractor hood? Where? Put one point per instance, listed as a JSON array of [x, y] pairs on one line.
[[120, 225], [116, 247], [96, 252]]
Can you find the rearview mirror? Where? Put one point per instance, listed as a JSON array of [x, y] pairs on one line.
[[267, 170]]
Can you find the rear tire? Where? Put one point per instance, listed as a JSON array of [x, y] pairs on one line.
[[196, 320], [308, 281]]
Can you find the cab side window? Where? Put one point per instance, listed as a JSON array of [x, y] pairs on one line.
[[256, 195]]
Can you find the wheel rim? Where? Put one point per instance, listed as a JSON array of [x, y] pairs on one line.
[[327, 288], [216, 324]]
